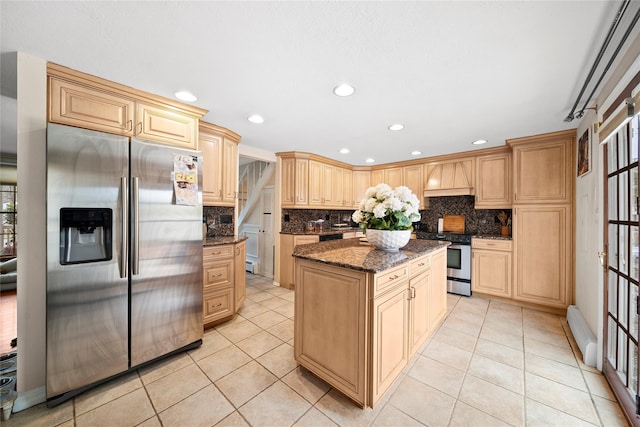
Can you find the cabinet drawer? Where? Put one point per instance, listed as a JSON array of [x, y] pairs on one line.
[[390, 278], [214, 253], [218, 274], [419, 265], [217, 304], [491, 244]]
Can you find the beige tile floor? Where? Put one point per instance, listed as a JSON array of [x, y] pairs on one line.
[[489, 364]]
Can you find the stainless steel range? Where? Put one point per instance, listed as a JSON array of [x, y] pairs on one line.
[[458, 260]]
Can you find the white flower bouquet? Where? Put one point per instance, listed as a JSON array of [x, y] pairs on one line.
[[386, 209]]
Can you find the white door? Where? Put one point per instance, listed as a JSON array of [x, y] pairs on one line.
[[266, 232]]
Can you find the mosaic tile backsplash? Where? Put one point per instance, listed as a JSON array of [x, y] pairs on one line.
[[477, 221], [219, 220]]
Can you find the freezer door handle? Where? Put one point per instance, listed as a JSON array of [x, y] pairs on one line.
[[124, 197], [135, 234]]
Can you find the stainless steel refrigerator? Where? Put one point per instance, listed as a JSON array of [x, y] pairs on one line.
[[124, 256]]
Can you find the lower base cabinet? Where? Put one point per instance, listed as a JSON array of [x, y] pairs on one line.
[[491, 267], [224, 282], [357, 330]]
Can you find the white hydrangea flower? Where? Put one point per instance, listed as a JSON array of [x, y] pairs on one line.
[[357, 217], [379, 211]]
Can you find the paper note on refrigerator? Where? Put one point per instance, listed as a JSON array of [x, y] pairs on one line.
[[185, 179]]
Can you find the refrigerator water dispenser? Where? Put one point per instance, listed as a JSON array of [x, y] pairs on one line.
[[85, 235]]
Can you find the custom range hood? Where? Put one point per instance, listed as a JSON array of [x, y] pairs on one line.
[[450, 178]]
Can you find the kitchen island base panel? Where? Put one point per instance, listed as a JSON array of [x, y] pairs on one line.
[[330, 334]]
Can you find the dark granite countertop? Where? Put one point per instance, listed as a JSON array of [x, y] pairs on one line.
[[357, 255], [323, 232], [492, 237], [222, 240]]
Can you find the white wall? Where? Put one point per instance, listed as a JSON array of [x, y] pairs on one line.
[[589, 204], [31, 137]]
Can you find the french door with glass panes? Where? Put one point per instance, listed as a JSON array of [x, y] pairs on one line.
[[622, 265]]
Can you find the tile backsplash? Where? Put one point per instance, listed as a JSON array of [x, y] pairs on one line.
[[476, 221], [219, 220]]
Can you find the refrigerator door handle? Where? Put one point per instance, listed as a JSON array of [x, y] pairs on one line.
[[135, 234], [124, 197]]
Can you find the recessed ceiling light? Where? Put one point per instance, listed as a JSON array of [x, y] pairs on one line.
[[344, 150], [256, 118], [416, 153], [184, 95], [396, 126], [479, 142], [344, 90], [370, 160]]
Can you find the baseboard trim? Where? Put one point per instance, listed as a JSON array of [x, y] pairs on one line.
[[30, 398]]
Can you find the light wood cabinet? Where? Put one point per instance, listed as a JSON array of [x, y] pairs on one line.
[[82, 100], [543, 168], [377, 177], [493, 181], [361, 181], [321, 184], [344, 318], [295, 182], [240, 275], [224, 281], [393, 176], [413, 177], [347, 188], [219, 148], [449, 177], [491, 267], [543, 255], [287, 243]]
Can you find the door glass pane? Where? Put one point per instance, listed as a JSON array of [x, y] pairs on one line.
[[633, 367], [622, 354], [634, 193], [613, 245], [633, 308], [623, 302], [634, 143], [611, 346], [612, 155], [613, 193], [623, 248], [635, 262], [613, 293], [623, 158], [623, 196]]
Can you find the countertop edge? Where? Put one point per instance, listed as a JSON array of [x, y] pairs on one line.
[[222, 240]]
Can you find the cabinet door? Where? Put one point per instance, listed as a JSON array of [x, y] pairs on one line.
[[316, 183], [337, 186], [543, 170], [438, 289], [361, 180], [493, 181], [390, 345], [288, 166], [491, 272], [393, 177], [240, 276], [81, 106], [377, 177], [412, 177], [419, 323], [302, 182], [211, 148], [347, 188], [156, 123], [230, 172], [542, 254]]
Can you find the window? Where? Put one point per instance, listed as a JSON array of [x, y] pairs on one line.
[[9, 213]]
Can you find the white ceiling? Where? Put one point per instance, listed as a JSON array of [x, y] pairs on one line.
[[451, 72]]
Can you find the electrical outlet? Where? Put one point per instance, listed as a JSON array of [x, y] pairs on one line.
[[287, 218]]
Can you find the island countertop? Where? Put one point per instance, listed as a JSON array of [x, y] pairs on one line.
[[357, 255], [222, 240]]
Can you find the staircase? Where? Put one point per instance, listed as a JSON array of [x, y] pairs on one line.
[[253, 177]]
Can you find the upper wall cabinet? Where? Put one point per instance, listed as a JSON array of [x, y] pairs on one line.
[[361, 181], [449, 178], [542, 168], [82, 100], [219, 148], [493, 181]]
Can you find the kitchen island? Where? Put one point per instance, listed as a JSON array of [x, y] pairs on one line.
[[361, 314]]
